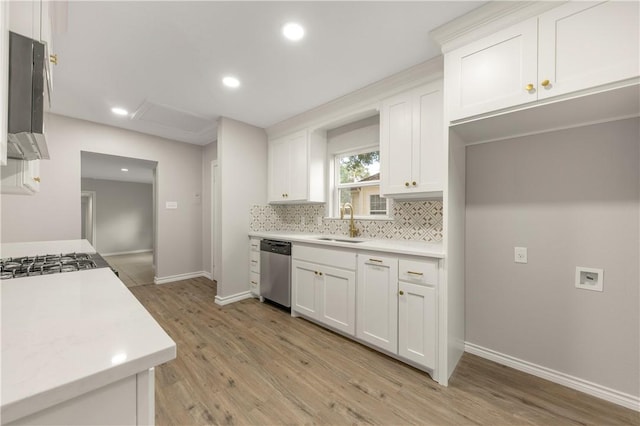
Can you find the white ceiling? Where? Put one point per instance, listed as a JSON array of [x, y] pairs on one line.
[[108, 167], [169, 58]]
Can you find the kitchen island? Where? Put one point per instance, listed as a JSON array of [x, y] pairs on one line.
[[78, 348]]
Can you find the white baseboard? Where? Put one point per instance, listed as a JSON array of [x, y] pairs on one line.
[[233, 298], [208, 275], [127, 252], [179, 277], [599, 391]]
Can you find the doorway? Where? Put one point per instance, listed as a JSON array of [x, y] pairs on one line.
[[121, 226]]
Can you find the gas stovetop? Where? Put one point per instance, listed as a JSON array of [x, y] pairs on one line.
[[28, 266]]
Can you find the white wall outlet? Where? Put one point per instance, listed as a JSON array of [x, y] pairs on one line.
[[319, 220], [171, 205], [589, 278], [302, 220], [520, 255]]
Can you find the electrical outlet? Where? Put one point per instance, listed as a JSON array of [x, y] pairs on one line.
[[302, 220], [520, 254]]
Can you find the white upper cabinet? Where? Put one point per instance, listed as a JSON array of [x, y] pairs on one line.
[[494, 72], [33, 19], [575, 46], [296, 168], [585, 44], [20, 177], [411, 143]]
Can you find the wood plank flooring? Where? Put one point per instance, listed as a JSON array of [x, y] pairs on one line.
[[251, 363], [133, 269]]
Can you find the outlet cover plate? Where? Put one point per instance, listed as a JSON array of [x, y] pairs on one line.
[[589, 278], [520, 255]]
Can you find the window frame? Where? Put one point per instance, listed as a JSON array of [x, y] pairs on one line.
[[336, 186]]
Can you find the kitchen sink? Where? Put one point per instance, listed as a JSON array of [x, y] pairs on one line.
[[339, 240]]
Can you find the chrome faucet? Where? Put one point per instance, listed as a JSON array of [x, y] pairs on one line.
[[353, 231]]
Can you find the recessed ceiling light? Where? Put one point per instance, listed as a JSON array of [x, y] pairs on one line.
[[125, 170], [293, 31], [231, 82], [119, 111]]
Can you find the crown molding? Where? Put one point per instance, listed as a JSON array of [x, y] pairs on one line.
[[487, 19]]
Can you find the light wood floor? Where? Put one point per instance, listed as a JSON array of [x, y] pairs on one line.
[[133, 269], [251, 363]]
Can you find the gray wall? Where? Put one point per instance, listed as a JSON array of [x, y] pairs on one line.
[[242, 158], [209, 154], [571, 197], [124, 215], [54, 213]]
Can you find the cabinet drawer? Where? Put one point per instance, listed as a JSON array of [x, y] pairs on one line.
[[418, 271], [254, 283], [254, 244], [254, 261], [335, 257]]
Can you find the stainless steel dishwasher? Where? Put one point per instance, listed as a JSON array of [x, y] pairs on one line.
[[275, 271]]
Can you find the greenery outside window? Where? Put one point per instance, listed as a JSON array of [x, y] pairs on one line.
[[357, 181]]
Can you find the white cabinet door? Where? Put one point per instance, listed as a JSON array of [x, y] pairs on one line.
[[412, 142], [417, 323], [20, 177], [298, 181], [396, 140], [305, 294], [338, 298], [278, 169], [492, 73], [377, 301], [428, 146], [586, 44]]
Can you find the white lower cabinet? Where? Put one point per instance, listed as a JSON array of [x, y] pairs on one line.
[[396, 306], [417, 323], [386, 302], [129, 401], [254, 267], [377, 305], [324, 293]]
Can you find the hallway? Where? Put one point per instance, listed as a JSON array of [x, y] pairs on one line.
[[134, 269]]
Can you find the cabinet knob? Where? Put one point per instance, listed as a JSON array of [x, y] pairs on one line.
[[53, 59], [406, 184], [320, 273], [401, 292], [545, 83], [315, 272], [529, 87], [413, 183], [37, 179]]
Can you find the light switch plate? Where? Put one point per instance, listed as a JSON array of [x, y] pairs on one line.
[[171, 205], [520, 255]]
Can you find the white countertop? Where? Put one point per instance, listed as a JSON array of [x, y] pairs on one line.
[[66, 334], [33, 248], [414, 248]]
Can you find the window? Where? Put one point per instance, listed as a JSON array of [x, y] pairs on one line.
[[377, 204], [357, 181]]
